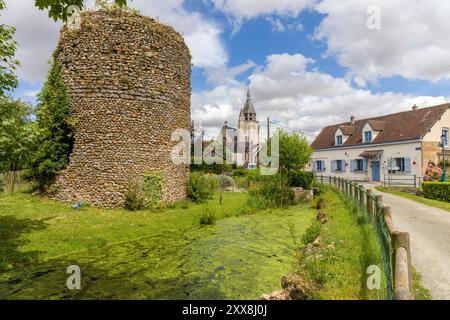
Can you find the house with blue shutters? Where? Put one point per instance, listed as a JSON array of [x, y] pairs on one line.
[[404, 143]]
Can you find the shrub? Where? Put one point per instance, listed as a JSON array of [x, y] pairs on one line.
[[301, 179], [214, 168], [208, 216], [152, 188], [271, 192], [224, 181], [433, 173], [312, 232], [201, 187], [134, 198], [436, 190], [239, 173]]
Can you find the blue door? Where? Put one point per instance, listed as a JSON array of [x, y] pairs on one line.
[[375, 170]]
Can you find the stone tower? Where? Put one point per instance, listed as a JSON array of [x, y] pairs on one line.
[[248, 134], [129, 82]]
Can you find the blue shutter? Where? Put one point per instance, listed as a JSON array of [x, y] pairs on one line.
[[352, 165], [323, 166], [314, 166], [344, 167], [333, 166], [408, 165]]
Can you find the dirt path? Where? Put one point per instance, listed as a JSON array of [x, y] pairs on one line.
[[429, 229]]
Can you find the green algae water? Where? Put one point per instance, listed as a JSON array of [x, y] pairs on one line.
[[240, 257]]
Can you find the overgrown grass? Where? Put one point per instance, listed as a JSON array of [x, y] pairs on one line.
[[350, 247], [419, 291], [433, 203], [145, 255]]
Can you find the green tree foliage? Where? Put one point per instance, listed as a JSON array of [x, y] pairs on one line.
[[8, 63], [56, 134], [17, 133], [57, 9], [295, 152]]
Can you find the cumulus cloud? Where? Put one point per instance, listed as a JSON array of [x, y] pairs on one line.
[[412, 42], [37, 34], [296, 98], [224, 74]]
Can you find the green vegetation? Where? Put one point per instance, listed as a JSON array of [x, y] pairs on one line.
[[214, 168], [271, 192], [348, 246], [208, 216], [201, 187], [17, 134], [56, 134], [153, 255], [312, 232], [436, 191], [303, 179], [8, 64], [433, 203], [295, 151], [419, 291]]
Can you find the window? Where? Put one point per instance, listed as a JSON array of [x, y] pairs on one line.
[[403, 165], [320, 166], [400, 163], [368, 136], [360, 165], [339, 165], [445, 134], [339, 140]]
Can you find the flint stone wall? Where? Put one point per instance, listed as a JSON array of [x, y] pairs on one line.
[[129, 81]]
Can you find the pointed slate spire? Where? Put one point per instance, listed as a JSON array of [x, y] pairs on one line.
[[249, 110]]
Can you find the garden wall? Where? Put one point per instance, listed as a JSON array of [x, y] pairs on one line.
[[129, 82]]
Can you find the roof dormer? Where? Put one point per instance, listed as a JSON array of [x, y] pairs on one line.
[[342, 134], [371, 130]]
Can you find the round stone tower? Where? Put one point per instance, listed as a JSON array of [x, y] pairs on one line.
[[129, 82]]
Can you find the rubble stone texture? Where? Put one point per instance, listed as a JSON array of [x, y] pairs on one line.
[[129, 81]]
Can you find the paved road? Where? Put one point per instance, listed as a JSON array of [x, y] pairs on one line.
[[429, 229]]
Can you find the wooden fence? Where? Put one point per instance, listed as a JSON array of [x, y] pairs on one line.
[[11, 182], [395, 245]]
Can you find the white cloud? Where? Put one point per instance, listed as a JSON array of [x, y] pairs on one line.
[[37, 34], [412, 42], [277, 25], [224, 75], [288, 93], [248, 9]]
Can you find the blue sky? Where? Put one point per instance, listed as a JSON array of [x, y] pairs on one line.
[[308, 63]]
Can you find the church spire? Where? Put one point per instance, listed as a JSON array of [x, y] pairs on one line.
[[249, 111]]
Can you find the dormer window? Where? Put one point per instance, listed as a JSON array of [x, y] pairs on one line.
[[339, 140], [367, 136]]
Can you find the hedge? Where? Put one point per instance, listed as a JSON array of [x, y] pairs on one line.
[[301, 179], [436, 190]]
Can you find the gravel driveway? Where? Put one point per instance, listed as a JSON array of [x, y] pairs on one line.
[[429, 229]]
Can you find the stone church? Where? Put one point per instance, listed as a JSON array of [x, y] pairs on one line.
[[241, 145]]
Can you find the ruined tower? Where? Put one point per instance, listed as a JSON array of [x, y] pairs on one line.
[[129, 82]]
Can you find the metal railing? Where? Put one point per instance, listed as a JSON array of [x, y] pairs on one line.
[[395, 245], [402, 181]]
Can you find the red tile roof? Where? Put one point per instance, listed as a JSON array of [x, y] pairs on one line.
[[402, 126]]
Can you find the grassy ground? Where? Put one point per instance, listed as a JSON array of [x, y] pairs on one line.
[[144, 255], [419, 291], [351, 246], [429, 202]]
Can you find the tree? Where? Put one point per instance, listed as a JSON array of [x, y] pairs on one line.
[[57, 9], [17, 133], [8, 63], [295, 152], [56, 135]]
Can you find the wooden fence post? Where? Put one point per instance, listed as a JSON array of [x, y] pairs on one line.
[[369, 203], [361, 196], [402, 278]]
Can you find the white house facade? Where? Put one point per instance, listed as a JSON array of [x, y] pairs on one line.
[[369, 149]]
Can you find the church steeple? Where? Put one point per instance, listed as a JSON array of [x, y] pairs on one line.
[[249, 111]]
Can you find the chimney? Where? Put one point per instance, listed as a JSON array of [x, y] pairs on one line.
[[415, 107], [352, 119]]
